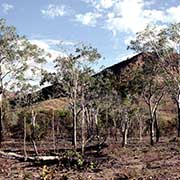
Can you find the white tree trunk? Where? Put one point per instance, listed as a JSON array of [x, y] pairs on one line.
[[25, 152], [74, 125], [96, 121], [126, 136], [33, 132], [83, 128], [125, 130], [74, 96], [53, 131], [178, 118]]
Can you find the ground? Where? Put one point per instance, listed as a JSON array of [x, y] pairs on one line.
[[136, 161]]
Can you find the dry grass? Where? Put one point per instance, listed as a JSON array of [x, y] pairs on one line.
[[53, 104], [136, 162]]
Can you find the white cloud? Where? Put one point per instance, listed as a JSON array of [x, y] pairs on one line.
[[7, 7], [154, 15], [46, 44], [101, 4], [93, 3], [174, 14], [53, 11], [106, 3], [58, 42], [40, 44], [117, 15], [128, 16], [88, 18], [110, 15], [128, 40]]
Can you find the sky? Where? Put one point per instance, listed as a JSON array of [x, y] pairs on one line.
[[107, 25]]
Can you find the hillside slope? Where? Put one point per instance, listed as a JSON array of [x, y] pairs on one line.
[[167, 109]]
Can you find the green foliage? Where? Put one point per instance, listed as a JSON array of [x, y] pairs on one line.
[[73, 159], [16, 55], [63, 113], [16, 123], [19, 64], [74, 67], [163, 46], [92, 165]]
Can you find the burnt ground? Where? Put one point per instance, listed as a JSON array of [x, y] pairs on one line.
[[137, 161]]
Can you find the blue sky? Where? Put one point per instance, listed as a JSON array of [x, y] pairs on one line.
[[106, 24]]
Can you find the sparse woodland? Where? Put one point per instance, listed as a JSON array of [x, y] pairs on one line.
[[80, 124]]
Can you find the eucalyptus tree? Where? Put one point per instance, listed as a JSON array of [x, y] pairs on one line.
[[102, 100], [85, 93], [72, 78], [127, 118], [148, 85], [153, 91], [164, 43], [29, 98], [18, 60]]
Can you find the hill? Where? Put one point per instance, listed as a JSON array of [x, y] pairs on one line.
[[116, 69], [51, 99]]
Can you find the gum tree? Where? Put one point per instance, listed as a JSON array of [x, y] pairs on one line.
[[72, 79], [18, 60], [164, 44]]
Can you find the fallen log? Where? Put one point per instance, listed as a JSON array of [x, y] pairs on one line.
[[51, 159], [12, 155]]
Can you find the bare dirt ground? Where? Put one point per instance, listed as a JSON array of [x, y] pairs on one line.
[[113, 162]]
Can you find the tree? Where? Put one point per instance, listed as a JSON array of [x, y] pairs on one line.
[[18, 57], [72, 76], [28, 98], [102, 99], [123, 115], [164, 43], [153, 90]]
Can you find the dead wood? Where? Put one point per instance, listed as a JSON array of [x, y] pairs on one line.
[[12, 155]]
